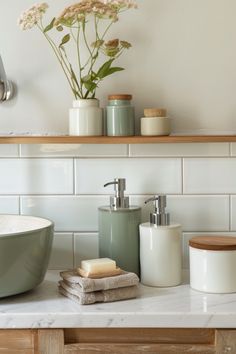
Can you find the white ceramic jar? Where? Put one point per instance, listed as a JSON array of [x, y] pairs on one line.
[[213, 264], [86, 118], [151, 126]]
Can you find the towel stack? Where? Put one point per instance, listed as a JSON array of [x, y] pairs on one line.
[[86, 290]]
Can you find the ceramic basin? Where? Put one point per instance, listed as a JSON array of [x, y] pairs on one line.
[[25, 247]]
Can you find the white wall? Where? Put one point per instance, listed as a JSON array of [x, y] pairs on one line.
[[183, 58]]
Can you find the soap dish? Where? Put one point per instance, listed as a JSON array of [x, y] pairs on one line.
[[110, 273]]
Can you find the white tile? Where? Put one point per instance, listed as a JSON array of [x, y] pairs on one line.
[[86, 247], [150, 175], [179, 150], [9, 150], [233, 149], [94, 150], [62, 252], [9, 205], [36, 176], [68, 213], [209, 175], [188, 236], [194, 213], [233, 213]]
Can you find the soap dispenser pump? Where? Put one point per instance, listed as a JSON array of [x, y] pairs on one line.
[[119, 229], [160, 247]]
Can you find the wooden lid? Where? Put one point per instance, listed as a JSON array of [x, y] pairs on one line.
[[120, 97], [155, 112], [214, 243]]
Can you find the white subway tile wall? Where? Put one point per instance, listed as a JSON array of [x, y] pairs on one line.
[[150, 175], [209, 175], [62, 255], [36, 176], [72, 150], [179, 150], [85, 247], [64, 183]]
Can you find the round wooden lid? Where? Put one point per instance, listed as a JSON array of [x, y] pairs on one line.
[[214, 243], [155, 112], [120, 97]]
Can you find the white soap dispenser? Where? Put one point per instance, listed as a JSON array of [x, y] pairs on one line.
[[160, 247]]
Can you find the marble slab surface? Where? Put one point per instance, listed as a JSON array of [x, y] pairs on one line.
[[175, 307]]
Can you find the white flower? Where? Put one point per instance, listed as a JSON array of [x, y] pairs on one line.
[[32, 16], [121, 3]]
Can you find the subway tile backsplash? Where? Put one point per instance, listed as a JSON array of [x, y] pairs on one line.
[[179, 150], [72, 150], [194, 213], [150, 175], [64, 183], [36, 176], [209, 175], [69, 213]]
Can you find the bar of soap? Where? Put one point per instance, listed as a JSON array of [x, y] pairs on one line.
[[99, 265]]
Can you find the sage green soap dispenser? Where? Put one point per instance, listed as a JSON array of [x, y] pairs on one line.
[[119, 229]]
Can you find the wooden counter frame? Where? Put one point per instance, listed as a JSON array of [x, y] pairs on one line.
[[117, 341]]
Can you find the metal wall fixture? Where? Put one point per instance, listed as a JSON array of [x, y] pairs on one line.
[[6, 86]]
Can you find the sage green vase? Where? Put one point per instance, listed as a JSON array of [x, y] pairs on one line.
[[119, 236]]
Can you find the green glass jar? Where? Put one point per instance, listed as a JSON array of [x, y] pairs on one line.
[[120, 116]]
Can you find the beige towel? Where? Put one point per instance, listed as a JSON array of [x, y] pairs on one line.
[[72, 279], [111, 295]]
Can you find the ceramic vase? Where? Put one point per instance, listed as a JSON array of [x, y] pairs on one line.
[[86, 118]]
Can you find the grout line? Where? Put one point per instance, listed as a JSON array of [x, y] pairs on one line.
[[182, 175], [73, 249], [230, 150], [128, 150], [19, 205], [19, 150], [74, 175], [230, 211]]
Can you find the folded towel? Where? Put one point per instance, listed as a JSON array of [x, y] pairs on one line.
[[125, 293], [87, 285]]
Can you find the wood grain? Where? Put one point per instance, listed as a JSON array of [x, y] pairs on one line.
[[139, 348], [17, 351], [214, 243], [225, 341], [17, 339], [116, 140], [50, 341], [140, 335]]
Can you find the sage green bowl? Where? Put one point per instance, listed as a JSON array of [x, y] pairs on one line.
[[25, 248]]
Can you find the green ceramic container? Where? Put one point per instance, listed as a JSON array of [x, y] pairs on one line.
[[119, 236], [120, 118], [25, 247]]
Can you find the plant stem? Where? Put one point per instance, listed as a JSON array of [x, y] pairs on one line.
[[79, 60], [58, 55]]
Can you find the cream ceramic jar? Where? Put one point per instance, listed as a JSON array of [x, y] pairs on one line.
[[153, 126], [213, 264]]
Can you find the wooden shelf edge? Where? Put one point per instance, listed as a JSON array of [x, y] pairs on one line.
[[17, 139]]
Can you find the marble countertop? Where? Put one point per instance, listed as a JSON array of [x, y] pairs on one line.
[[176, 307]]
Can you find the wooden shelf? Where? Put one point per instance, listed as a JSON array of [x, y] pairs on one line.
[[17, 139]]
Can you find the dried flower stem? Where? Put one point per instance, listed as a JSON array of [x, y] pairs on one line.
[[75, 18]]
